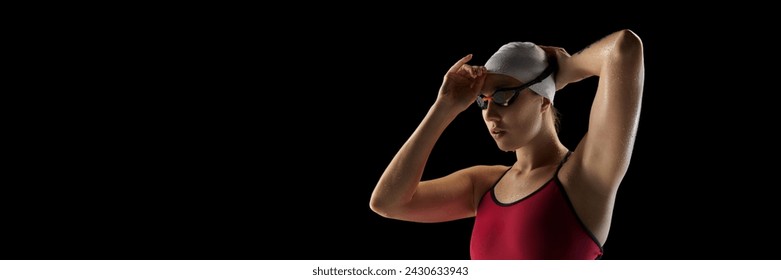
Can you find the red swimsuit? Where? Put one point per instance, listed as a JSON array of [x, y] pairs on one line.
[[541, 226]]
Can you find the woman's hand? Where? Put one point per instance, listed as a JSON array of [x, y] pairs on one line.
[[461, 85], [567, 73]]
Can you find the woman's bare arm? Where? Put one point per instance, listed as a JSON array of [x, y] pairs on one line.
[[400, 194], [602, 157]]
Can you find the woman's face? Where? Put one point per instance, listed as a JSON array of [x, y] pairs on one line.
[[516, 125]]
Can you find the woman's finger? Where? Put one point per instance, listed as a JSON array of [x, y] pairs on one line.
[[471, 70], [476, 71], [460, 63], [479, 70], [477, 83]]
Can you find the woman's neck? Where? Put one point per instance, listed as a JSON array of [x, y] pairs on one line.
[[545, 149]]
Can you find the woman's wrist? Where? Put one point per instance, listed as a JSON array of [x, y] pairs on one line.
[[445, 109]]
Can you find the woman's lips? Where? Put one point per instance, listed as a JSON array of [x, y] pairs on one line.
[[496, 133]]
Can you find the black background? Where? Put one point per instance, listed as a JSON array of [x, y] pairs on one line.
[[244, 137]]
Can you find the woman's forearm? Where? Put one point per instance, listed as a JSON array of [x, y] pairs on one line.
[[402, 176]]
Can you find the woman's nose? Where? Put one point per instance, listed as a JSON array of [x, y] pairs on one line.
[[490, 113]]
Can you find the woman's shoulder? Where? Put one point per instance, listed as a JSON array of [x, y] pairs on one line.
[[486, 170], [485, 176]]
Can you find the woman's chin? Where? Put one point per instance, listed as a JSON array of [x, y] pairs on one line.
[[504, 147]]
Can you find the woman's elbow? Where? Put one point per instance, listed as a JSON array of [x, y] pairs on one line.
[[381, 206], [629, 44], [377, 206]]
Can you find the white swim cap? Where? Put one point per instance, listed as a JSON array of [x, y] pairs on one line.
[[524, 61]]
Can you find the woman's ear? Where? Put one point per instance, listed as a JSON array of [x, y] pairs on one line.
[[546, 104]]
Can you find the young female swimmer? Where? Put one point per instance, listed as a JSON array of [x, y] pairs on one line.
[[552, 203]]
